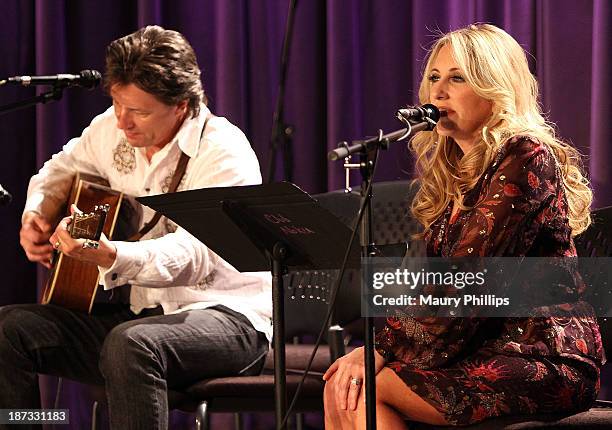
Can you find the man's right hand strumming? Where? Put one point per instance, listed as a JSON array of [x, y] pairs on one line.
[[34, 238]]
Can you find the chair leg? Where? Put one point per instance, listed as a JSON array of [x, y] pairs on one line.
[[94, 415], [58, 392], [202, 416], [299, 421], [238, 424]]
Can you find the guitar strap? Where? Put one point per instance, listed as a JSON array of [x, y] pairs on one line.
[[179, 172]]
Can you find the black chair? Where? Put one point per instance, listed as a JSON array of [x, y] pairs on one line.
[[393, 227]]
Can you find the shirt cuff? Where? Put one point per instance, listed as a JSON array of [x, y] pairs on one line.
[[128, 263]]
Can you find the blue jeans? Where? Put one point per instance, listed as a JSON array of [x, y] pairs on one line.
[[137, 357]]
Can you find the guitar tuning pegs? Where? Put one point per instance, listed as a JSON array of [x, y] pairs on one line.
[[104, 207]]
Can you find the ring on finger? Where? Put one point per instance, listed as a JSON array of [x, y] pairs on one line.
[[57, 244], [356, 381]]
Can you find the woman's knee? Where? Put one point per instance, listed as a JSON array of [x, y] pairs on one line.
[[330, 399], [335, 416]]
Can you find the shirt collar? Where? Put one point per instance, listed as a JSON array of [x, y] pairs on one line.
[[189, 135]]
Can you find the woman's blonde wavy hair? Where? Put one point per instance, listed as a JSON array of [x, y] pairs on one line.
[[495, 66]]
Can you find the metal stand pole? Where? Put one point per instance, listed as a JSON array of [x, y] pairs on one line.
[[278, 317]]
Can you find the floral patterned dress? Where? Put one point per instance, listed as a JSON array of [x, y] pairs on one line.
[[471, 369]]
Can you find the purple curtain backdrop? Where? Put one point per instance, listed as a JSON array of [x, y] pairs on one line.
[[353, 63]]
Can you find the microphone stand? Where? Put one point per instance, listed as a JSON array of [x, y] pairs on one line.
[[368, 152], [53, 95], [381, 141], [367, 161], [281, 137]]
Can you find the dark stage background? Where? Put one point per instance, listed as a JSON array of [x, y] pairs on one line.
[[353, 63]]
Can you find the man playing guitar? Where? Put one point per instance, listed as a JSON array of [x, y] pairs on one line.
[[190, 315]]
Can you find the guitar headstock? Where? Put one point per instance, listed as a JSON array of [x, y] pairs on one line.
[[89, 225]]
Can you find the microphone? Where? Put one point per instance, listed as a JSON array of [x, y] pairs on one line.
[[5, 196], [419, 118], [419, 113], [86, 78]]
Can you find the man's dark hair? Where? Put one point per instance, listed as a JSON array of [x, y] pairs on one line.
[[158, 61]]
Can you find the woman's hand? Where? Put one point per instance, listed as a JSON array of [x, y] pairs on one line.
[[346, 377], [104, 255]]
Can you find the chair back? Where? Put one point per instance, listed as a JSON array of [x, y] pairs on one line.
[[596, 241], [392, 222], [307, 292]]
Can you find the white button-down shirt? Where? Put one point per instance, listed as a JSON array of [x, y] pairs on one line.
[[166, 267]]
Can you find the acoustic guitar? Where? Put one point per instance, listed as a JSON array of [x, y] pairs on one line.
[[73, 283]]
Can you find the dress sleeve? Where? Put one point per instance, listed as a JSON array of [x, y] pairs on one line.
[[517, 197]]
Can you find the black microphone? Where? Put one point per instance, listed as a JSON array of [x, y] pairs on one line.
[[419, 113], [86, 78], [5, 196], [416, 119]]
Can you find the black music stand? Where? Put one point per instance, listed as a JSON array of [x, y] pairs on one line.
[[273, 227]]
